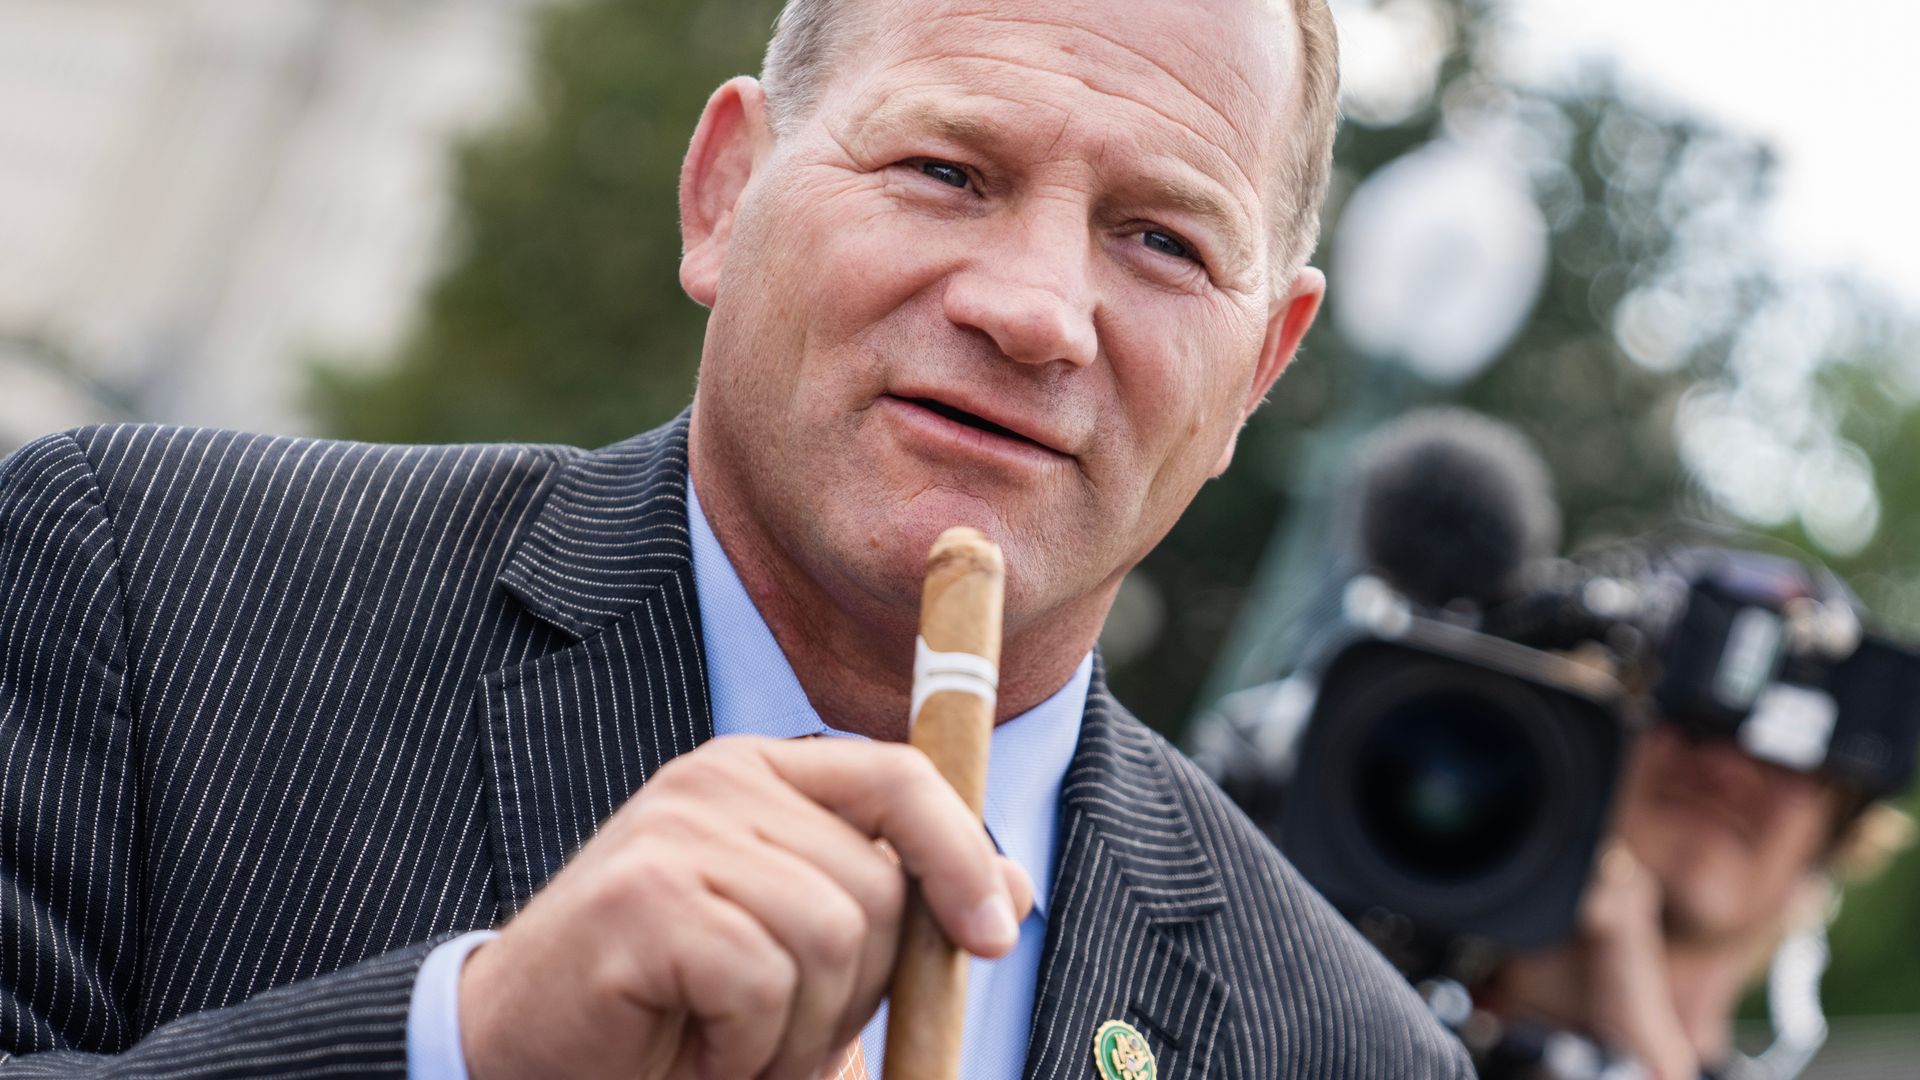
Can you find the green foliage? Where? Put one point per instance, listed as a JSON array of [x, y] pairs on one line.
[[560, 316], [1875, 943]]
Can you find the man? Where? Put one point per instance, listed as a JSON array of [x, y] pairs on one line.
[[288, 714], [1717, 855]]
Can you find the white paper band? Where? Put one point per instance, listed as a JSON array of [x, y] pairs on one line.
[[960, 672]]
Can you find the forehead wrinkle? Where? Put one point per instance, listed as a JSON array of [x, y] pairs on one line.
[[1210, 62], [967, 124], [1199, 141], [975, 127], [1174, 146], [1236, 145]]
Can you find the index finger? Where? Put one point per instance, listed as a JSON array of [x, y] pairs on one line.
[[892, 792]]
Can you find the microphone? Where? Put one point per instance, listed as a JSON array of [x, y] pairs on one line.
[[1451, 505]]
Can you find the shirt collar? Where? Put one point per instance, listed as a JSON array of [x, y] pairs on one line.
[[754, 691]]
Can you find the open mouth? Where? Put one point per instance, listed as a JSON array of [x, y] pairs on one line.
[[978, 423]]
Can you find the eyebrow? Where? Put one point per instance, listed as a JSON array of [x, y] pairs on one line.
[[971, 129], [891, 117], [1161, 190]]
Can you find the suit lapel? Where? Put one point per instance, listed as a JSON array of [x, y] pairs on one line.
[[1132, 902], [567, 736]]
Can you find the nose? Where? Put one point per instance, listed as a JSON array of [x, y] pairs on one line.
[[1033, 299]]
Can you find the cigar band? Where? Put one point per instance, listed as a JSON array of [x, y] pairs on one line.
[[960, 672]]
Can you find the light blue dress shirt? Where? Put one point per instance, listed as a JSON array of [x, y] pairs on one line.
[[755, 692]]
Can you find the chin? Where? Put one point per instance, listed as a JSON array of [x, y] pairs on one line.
[[911, 522], [925, 516]]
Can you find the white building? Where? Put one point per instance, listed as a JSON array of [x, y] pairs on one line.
[[197, 197]]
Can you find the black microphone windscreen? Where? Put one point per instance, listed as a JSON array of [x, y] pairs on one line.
[[1449, 505]]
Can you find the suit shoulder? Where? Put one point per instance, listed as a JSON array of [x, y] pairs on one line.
[[205, 505], [138, 451], [52, 459], [1299, 962], [158, 470], [51, 502], [50, 513]]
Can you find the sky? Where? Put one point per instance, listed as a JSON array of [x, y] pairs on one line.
[[1833, 85]]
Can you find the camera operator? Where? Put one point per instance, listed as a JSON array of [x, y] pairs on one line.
[[1583, 804], [1716, 856]]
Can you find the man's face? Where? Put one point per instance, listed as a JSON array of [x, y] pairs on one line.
[[1728, 837], [1011, 273]]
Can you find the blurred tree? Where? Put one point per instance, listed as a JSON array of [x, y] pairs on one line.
[[1873, 388], [560, 316]]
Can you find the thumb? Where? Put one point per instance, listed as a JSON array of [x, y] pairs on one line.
[[1019, 888]]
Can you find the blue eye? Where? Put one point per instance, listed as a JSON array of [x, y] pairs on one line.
[[1166, 244], [951, 175]]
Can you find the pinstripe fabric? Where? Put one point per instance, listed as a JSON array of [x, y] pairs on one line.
[[237, 677], [570, 734], [278, 715], [1174, 913]]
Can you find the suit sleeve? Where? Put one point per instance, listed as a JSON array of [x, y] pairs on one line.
[[69, 833]]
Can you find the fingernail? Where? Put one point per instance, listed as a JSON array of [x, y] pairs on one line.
[[992, 921]]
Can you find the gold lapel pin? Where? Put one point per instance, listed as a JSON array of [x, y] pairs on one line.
[[1122, 1053]]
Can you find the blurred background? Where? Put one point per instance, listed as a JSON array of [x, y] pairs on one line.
[[1672, 240]]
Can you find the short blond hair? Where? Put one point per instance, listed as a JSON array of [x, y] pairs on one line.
[[812, 36]]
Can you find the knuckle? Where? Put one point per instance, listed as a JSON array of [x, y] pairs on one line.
[[839, 932], [915, 766], [908, 772], [682, 764], [768, 987], [612, 976], [679, 816], [711, 763], [653, 881]]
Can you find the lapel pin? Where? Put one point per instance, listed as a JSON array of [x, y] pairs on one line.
[[1122, 1053]]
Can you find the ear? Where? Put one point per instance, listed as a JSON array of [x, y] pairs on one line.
[[1287, 324], [732, 139]]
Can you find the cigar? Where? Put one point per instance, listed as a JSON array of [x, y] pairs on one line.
[[955, 676]]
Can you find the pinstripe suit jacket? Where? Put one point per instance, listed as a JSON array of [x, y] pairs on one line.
[[279, 715]]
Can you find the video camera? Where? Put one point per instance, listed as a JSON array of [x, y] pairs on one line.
[[1441, 765]]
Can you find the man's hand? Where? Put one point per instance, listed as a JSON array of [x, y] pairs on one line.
[[735, 918]]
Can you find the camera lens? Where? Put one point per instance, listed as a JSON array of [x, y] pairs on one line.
[[1459, 781], [1449, 785]]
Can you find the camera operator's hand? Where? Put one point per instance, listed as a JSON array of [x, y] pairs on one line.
[[735, 918], [1610, 981], [1629, 1000]]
